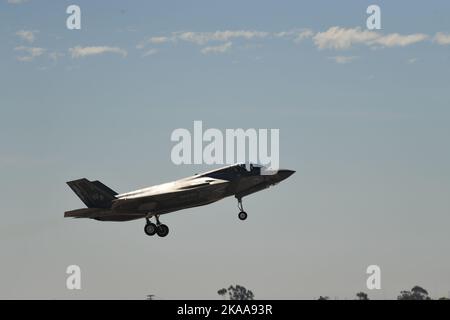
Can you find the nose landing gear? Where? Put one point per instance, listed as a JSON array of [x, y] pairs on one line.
[[242, 214]]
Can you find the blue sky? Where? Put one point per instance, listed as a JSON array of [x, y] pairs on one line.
[[363, 118]]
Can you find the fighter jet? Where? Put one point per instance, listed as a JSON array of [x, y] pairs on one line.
[[238, 180]]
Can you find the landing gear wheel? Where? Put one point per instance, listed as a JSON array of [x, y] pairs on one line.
[[150, 229], [162, 230], [242, 215]]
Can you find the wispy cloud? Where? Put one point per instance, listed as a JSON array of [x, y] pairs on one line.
[[221, 41], [302, 35], [297, 35], [398, 40], [26, 35], [30, 53], [412, 60], [81, 52], [150, 52], [345, 38], [202, 38], [442, 38], [341, 38], [154, 40], [343, 59], [217, 49], [336, 37], [157, 40]]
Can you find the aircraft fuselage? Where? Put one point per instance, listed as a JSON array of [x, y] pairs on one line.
[[201, 189]]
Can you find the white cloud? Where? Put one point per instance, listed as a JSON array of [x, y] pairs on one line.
[[80, 52], [26, 35], [150, 52], [302, 35], [217, 49], [297, 35], [154, 40], [343, 59], [343, 38], [283, 34], [202, 38], [157, 40], [205, 38], [31, 53], [336, 37], [398, 40], [412, 60], [442, 38]]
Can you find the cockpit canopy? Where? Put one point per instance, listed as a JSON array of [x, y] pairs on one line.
[[250, 166], [229, 173]]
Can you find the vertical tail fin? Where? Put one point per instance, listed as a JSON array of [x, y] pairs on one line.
[[94, 194]]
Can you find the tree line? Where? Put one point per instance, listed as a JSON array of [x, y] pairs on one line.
[[241, 293]]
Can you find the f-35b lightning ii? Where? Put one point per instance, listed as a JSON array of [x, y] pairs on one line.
[[237, 180]]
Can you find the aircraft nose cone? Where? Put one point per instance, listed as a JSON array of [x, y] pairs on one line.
[[285, 173]]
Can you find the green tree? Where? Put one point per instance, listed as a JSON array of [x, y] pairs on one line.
[[240, 293], [362, 296], [222, 292], [416, 293], [237, 293]]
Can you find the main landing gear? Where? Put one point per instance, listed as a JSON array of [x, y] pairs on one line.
[[160, 229], [242, 214]]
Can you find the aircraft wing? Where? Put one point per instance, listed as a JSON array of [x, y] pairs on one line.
[[151, 199]]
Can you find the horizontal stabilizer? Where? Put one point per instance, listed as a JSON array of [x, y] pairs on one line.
[[102, 214], [86, 213]]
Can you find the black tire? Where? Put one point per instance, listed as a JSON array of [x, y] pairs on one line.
[[150, 229], [242, 215], [162, 230]]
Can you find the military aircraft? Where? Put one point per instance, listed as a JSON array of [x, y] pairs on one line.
[[105, 204]]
